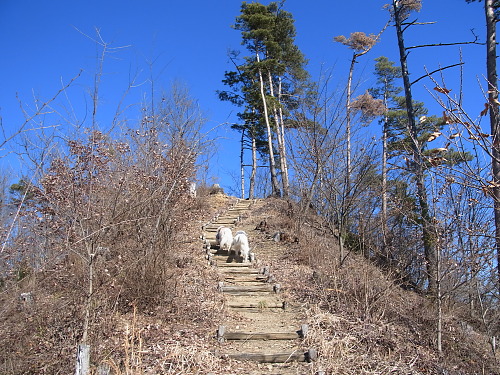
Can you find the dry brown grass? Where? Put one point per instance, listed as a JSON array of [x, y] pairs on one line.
[[360, 319], [161, 318], [159, 292]]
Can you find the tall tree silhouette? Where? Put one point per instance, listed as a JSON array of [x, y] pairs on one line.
[[273, 74], [401, 10], [386, 74]]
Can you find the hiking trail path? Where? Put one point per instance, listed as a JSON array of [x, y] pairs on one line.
[[262, 324]]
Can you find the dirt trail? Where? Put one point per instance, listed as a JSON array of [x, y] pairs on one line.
[[262, 326]]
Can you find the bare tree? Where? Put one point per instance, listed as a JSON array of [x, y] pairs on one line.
[[361, 44], [401, 10]]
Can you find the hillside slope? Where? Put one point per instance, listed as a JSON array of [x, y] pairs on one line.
[[165, 320], [360, 320]]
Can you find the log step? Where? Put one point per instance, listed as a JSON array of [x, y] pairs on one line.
[[262, 335], [245, 279], [257, 305], [233, 265], [222, 335], [309, 356], [242, 271], [247, 288]]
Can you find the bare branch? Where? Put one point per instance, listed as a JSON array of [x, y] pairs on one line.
[[435, 71], [446, 44], [38, 112]]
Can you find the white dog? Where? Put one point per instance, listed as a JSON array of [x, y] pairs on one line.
[[224, 238], [240, 245]]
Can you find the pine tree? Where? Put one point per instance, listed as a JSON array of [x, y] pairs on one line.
[[400, 140], [243, 94], [270, 76], [360, 44], [386, 74], [400, 12]]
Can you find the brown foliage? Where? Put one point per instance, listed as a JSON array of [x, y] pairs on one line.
[[358, 41], [101, 233], [411, 5], [368, 106]]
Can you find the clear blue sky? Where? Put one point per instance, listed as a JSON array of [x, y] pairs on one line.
[[189, 40]]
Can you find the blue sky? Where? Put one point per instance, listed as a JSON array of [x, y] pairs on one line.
[[43, 44]]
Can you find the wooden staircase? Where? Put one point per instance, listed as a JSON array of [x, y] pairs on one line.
[[261, 325]]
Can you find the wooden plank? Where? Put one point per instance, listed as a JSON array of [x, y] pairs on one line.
[[250, 294], [257, 305], [261, 335], [256, 277], [241, 271], [228, 273], [273, 357], [245, 279], [234, 264], [247, 288], [214, 249], [253, 310], [232, 282]]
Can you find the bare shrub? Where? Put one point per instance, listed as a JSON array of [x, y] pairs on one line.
[[360, 318], [108, 228]]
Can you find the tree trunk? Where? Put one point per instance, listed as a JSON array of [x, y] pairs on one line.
[[242, 164], [272, 166], [279, 137], [491, 66], [439, 307], [348, 126], [82, 360], [83, 351], [385, 230], [254, 168], [417, 167], [284, 163], [309, 197]]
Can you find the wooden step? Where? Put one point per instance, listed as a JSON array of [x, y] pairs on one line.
[[257, 305], [245, 279], [233, 264], [213, 243], [222, 223], [296, 356], [261, 335], [228, 220], [247, 288], [222, 335], [241, 271]]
